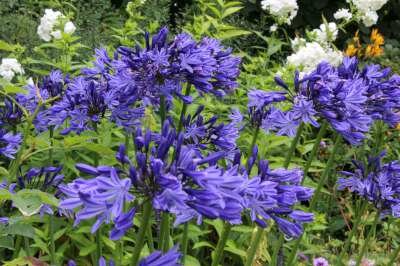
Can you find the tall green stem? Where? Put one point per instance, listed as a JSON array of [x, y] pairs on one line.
[[219, 250], [164, 232], [255, 242], [141, 233], [52, 244], [329, 165], [366, 241], [184, 108], [352, 231], [184, 241], [314, 150], [394, 256]]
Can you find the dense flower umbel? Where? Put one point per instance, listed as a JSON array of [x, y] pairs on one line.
[[10, 114], [162, 67], [377, 183]]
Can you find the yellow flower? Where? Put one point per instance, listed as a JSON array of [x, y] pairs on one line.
[[351, 50], [374, 49], [377, 38]]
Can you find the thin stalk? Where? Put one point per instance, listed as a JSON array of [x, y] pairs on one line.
[[352, 232], [150, 240], [255, 242], [98, 246], [288, 159], [184, 108], [325, 174], [164, 232], [314, 150], [52, 244], [51, 218], [219, 250], [141, 233], [27, 246], [293, 146], [366, 241], [184, 241], [394, 256]]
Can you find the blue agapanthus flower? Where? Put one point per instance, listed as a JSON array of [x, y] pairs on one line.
[[333, 94], [162, 67], [157, 258], [10, 114], [9, 143], [376, 182]]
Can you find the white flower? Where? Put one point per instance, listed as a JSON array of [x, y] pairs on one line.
[[297, 42], [30, 81], [69, 27], [310, 55], [47, 23], [284, 10], [273, 28], [51, 25], [369, 18], [343, 13], [325, 34], [369, 5], [9, 67]]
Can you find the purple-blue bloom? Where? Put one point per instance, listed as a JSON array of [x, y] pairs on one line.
[[157, 258], [376, 182], [9, 143]]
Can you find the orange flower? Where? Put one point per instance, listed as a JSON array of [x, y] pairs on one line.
[[354, 47], [377, 38], [374, 49]]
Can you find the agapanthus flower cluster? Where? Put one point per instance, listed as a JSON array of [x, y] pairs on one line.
[[52, 24], [51, 87], [376, 182], [45, 179], [191, 185], [162, 66], [348, 98]]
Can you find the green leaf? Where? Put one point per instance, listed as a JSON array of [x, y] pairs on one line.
[[232, 33], [5, 46], [86, 250], [99, 148], [202, 244], [191, 261], [230, 11], [21, 229], [5, 194], [29, 201], [3, 171], [7, 242], [236, 251], [14, 89]]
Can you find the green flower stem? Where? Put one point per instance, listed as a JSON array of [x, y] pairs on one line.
[[184, 108], [184, 241], [259, 232], [394, 256], [329, 166], [140, 237], [219, 250], [98, 246], [255, 242], [314, 150], [164, 232], [27, 246], [366, 241], [52, 243], [352, 232], [150, 240]]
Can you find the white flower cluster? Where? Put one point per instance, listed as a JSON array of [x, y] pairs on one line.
[[9, 67], [283, 10], [366, 11], [326, 32], [307, 57], [343, 13], [51, 25]]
